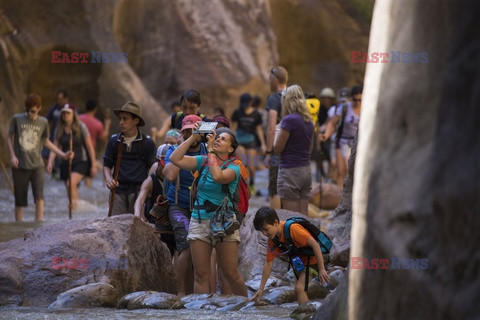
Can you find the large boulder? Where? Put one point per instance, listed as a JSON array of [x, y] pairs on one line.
[[417, 179], [325, 195], [121, 251]]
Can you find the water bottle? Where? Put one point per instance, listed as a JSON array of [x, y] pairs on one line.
[[298, 264]]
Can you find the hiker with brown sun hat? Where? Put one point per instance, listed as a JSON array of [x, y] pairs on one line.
[[136, 152]]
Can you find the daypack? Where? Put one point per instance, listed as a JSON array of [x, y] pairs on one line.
[[292, 251], [240, 196], [322, 239], [313, 105]]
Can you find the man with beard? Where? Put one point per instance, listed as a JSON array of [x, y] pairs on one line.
[[180, 209]]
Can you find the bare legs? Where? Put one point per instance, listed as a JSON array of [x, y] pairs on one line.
[[183, 267], [39, 204], [76, 177], [300, 206], [227, 253]]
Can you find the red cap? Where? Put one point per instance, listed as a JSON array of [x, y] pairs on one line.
[[189, 121]]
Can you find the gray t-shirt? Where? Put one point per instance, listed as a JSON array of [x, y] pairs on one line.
[[28, 140]]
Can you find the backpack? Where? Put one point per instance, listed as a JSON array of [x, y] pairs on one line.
[[292, 251], [176, 116], [240, 196], [313, 106], [242, 191]]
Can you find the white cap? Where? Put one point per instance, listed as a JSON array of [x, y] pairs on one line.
[[327, 93], [162, 151]]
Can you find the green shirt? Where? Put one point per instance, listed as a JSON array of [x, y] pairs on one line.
[[28, 140]]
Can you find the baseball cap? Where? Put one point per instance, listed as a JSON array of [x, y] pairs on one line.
[[222, 119], [162, 151], [189, 121], [68, 107], [327, 93]]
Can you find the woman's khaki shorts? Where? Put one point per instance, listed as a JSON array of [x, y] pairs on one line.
[[203, 231], [294, 183]]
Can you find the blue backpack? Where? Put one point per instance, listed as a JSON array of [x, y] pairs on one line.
[[292, 251]]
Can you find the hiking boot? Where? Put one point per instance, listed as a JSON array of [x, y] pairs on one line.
[[217, 225], [230, 224]]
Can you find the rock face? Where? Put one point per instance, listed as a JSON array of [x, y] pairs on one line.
[[120, 251], [222, 48], [339, 229], [416, 192]]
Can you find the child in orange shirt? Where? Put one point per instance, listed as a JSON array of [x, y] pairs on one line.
[[267, 221]]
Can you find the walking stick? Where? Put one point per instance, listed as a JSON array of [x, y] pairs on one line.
[[115, 175], [70, 138], [6, 175]]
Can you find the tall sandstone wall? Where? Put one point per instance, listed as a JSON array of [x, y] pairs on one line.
[[416, 192], [222, 48]]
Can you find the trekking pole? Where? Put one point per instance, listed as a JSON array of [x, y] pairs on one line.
[[115, 175], [6, 175], [70, 143]]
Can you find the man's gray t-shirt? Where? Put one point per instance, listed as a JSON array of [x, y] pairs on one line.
[[28, 140]]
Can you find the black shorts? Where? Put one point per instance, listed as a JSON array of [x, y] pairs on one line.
[[272, 179], [21, 180], [81, 167]]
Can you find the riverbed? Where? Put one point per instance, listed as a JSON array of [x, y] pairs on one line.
[[93, 203]]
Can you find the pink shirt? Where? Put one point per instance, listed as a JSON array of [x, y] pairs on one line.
[[95, 126]]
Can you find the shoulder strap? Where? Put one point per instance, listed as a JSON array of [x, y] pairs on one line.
[[286, 230]]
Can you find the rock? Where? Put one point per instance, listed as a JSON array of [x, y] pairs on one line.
[[335, 304], [89, 295], [305, 311], [280, 295], [340, 252], [325, 195], [121, 251], [125, 300], [417, 183], [316, 290], [155, 300], [214, 302]]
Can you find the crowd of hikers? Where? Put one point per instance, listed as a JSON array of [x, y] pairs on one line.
[[193, 177]]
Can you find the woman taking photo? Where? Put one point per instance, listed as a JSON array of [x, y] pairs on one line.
[[294, 143], [216, 169], [84, 160]]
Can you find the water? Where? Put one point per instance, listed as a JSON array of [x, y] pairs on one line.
[[93, 203]]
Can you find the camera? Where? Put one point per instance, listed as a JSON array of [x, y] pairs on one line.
[[297, 264], [206, 127]]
